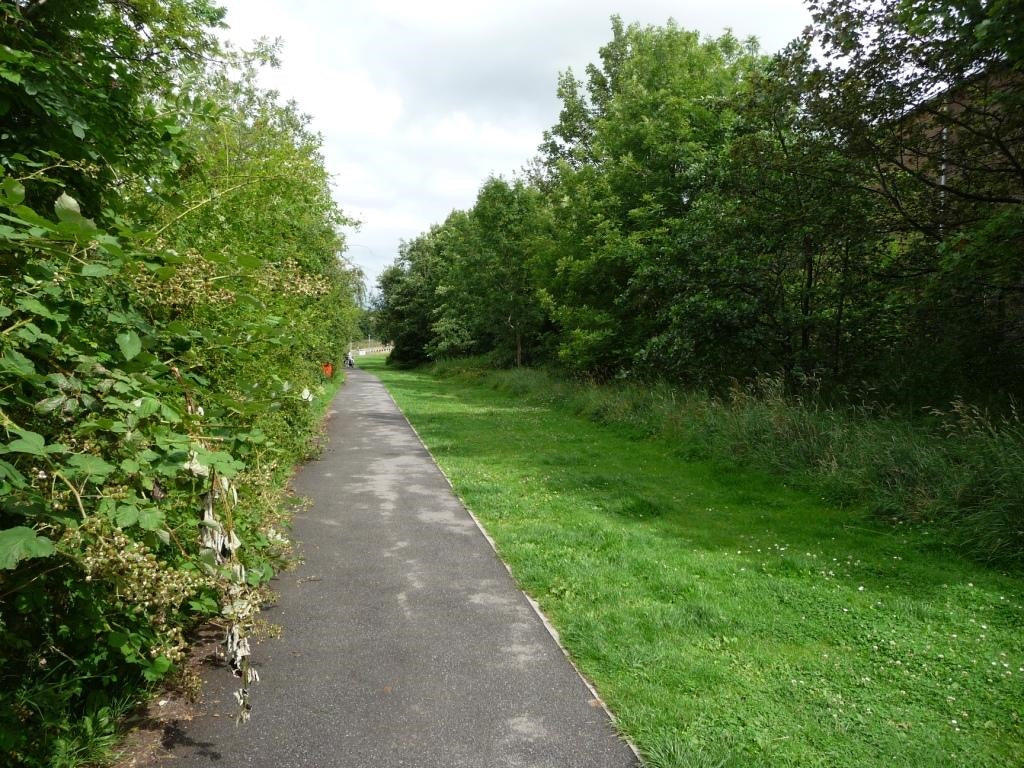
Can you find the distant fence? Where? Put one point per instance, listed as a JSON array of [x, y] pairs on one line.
[[384, 349]]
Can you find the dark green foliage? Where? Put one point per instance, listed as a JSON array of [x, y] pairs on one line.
[[84, 82], [470, 285], [168, 247], [926, 102], [707, 214]]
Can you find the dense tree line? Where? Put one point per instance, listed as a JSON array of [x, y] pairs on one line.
[[170, 286], [848, 212]]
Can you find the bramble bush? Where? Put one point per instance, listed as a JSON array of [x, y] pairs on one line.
[[169, 248]]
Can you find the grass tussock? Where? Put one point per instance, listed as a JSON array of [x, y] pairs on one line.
[[958, 469]]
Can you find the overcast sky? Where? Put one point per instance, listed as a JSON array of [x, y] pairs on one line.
[[419, 101]]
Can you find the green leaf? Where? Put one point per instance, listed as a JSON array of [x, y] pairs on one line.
[[126, 516], [28, 442], [13, 55], [222, 461], [51, 404], [110, 244], [31, 333], [22, 543], [72, 221], [151, 519], [15, 362], [10, 233], [169, 413], [90, 467], [204, 605], [67, 207], [27, 216], [78, 129], [248, 261], [129, 343], [35, 307], [9, 474], [96, 270], [153, 539], [160, 666], [12, 191], [147, 407]]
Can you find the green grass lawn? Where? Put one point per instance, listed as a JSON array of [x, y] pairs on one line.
[[726, 619]]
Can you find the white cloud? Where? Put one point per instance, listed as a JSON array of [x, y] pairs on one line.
[[419, 102]]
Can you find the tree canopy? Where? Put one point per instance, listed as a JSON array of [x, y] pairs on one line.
[[846, 213]]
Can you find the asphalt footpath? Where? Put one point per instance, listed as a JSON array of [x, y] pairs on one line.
[[405, 641]]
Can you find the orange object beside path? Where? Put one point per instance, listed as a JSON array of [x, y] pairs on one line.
[[328, 370]]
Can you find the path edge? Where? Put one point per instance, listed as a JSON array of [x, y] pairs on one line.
[[533, 603]]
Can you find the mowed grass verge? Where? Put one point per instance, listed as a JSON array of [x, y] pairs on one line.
[[726, 619]]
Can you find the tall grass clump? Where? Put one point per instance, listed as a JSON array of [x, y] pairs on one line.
[[958, 469]]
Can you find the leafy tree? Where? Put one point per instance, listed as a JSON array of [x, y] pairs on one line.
[[641, 147], [778, 260], [408, 291], [470, 285], [496, 277], [844, 218], [929, 97]]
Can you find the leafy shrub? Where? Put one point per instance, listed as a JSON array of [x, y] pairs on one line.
[[160, 348]]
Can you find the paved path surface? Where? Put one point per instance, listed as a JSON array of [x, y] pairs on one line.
[[405, 642]]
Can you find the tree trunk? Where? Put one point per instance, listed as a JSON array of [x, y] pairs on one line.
[[837, 338], [805, 301]]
